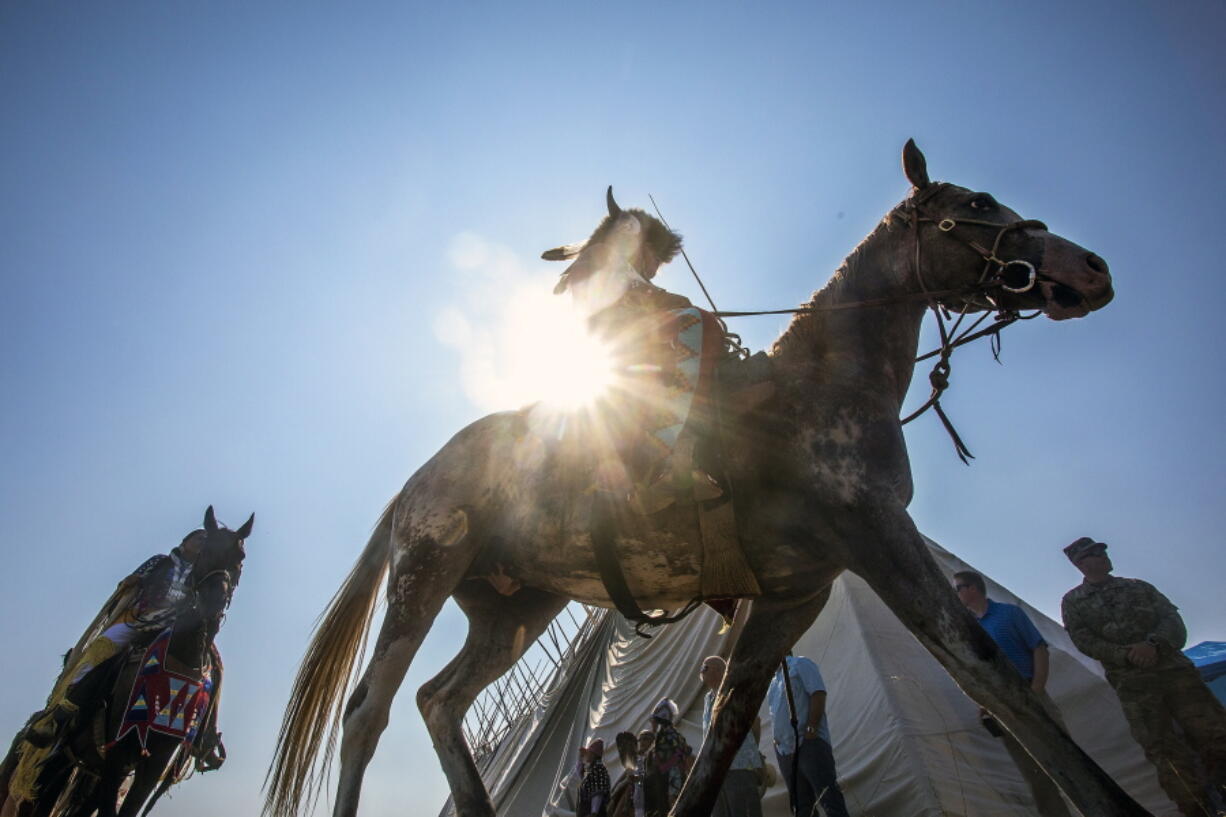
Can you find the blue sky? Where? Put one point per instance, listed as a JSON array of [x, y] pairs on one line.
[[232, 237]]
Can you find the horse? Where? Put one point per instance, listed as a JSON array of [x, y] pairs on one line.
[[821, 483], [85, 774]]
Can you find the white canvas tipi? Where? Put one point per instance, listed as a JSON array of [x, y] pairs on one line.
[[907, 741]]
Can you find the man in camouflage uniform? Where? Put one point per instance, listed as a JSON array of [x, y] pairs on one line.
[[1137, 634]]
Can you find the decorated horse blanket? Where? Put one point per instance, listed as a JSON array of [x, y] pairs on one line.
[[167, 702], [692, 342], [664, 360]]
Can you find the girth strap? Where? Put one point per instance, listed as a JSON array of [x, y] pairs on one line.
[[604, 546]]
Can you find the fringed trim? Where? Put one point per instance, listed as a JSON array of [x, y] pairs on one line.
[[23, 785]]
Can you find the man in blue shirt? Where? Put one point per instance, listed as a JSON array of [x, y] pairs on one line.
[[1021, 643], [816, 779]]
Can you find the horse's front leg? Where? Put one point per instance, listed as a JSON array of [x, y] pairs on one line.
[[890, 554], [771, 629], [148, 772]]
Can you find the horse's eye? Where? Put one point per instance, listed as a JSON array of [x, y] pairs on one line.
[[982, 203]]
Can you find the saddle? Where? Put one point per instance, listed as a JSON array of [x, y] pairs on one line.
[[691, 479]]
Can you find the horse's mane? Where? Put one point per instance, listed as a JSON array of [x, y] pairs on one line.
[[836, 289]]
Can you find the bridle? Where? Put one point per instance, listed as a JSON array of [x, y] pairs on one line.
[[229, 572], [221, 571], [228, 590], [1015, 276], [996, 273]]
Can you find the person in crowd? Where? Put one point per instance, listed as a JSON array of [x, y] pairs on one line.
[[667, 763], [808, 769], [1020, 642], [646, 741], [628, 798], [738, 797], [594, 788], [1137, 634]]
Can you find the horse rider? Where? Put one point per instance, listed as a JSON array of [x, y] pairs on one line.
[[648, 329], [144, 604]]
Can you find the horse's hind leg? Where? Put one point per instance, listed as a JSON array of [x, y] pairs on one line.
[[500, 628], [423, 576]]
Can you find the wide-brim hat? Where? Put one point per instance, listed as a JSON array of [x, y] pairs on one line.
[[1085, 546]]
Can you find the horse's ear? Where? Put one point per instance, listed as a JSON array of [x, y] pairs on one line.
[[915, 165], [210, 521], [245, 530], [565, 252]]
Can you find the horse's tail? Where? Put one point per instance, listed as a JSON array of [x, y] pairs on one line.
[[313, 715]]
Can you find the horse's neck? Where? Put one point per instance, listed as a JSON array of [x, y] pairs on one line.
[[865, 351], [190, 642]]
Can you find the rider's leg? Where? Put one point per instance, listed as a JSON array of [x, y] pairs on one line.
[[82, 684]]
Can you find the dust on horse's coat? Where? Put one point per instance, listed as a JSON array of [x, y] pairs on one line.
[[821, 485]]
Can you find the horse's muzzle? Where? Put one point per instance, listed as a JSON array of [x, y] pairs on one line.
[[1076, 283]]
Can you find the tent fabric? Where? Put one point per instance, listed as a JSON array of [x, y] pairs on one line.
[[907, 740], [1210, 658], [610, 686], [531, 761], [635, 673]]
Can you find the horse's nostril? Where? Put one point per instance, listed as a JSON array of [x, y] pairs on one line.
[[1096, 263]]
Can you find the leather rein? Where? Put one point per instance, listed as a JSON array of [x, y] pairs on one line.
[[1013, 275], [229, 591]]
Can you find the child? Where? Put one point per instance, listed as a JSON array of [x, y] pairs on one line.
[[594, 790]]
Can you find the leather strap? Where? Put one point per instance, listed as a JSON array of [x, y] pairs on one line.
[[604, 546]]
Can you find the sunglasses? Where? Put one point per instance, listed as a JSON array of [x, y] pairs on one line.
[[963, 586]]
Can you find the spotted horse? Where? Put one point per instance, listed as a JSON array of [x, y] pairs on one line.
[[822, 483]]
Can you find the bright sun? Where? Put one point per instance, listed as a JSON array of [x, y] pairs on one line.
[[548, 354]]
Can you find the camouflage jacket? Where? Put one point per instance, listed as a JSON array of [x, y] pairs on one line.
[[1104, 619]]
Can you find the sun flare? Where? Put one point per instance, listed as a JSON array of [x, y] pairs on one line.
[[548, 355]]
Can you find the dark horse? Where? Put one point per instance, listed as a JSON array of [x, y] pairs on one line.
[[84, 774], [822, 484]]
